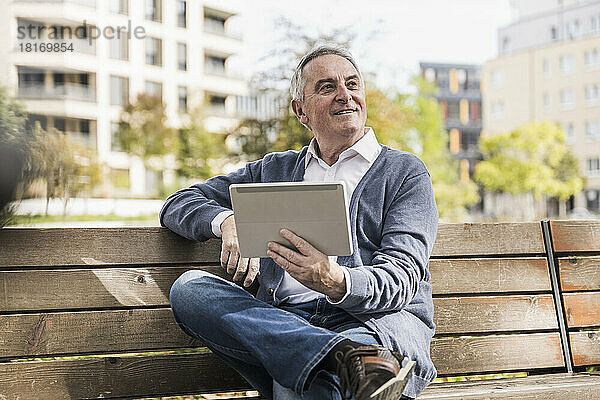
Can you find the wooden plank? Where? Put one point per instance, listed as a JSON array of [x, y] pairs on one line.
[[488, 239], [101, 246], [585, 347], [139, 376], [491, 275], [494, 313], [37, 290], [26, 335], [538, 387], [570, 236], [579, 273], [583, 309], [476, 354]]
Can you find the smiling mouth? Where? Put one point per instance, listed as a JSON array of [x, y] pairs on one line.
[[342, 112]]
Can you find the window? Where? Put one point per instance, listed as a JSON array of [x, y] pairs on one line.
[[591, 59], [453, 110], [119, 6], [593, 199], [505, 44], [429, 75], [154, 10], [591, 94], [464, 111], [497, 78], [153, 51], [60, 124], [84, 126], [572, 29], [119, 47], [592, 130], [569, 131], [215, 65], [115, 145], [214, 24], [546, 68], [547, 103], [154, 89], [181, 13], [553, 33], [595, 23], [182, 56], [217, 103], [119, 91], [475, 111], [567, 64], [593, 166], [567, 99], [497, 109], [182, 98]]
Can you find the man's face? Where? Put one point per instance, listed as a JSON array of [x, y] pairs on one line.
[[334, 98]]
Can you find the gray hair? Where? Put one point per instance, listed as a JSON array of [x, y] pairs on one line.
[[299, 81]]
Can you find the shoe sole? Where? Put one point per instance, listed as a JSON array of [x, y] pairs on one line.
[[392, 389]]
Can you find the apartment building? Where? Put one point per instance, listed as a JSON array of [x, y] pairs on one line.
[[459, 97], [76, 63], [548, 69]]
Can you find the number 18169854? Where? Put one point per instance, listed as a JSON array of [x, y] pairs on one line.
[[45, 47]]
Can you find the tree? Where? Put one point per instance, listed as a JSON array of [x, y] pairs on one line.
[[198, 150], [142, 129], [66, 168], [532, 160], [13, 154]]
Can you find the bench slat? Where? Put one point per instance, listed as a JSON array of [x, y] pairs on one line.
[[468, 355], [582, 309], [494, 313], [26, 335], [539, 387], [37, 290], [585, 347], [488, 239], [489, 275], [139, 376], [582, 236], [579, 273], [81, 246], [112, 331]]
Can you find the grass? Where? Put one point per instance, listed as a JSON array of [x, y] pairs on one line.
[[36, 219]]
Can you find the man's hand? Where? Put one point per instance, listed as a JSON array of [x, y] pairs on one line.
[[309, 267], [242, 269]]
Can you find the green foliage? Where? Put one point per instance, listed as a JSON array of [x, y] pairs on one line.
[[197, 149], [142, 129], [66, 168], [531, 159]]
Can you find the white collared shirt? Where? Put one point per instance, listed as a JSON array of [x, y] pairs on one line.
[[351, 166]]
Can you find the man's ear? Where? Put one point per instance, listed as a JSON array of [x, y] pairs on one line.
[[298, 109]]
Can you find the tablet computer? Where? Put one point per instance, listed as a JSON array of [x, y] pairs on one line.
[[315, 211]]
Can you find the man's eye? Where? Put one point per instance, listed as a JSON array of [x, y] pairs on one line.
[[352, 84], [327, 87]]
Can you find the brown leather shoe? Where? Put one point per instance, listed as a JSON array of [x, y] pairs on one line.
[[372, 373]]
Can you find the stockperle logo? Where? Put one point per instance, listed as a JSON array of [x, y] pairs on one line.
[[84, 31]]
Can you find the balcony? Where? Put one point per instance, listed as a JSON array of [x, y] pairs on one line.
[[66, 91]]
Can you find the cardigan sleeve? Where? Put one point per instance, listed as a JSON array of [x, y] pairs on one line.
[[189, 212], [402, 260]]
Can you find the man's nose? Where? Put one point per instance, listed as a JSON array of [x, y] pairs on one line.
[[343, 94]]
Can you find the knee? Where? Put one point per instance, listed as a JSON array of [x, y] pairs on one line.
[[186, 286]]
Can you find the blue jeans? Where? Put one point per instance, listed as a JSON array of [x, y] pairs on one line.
[[276, 349]]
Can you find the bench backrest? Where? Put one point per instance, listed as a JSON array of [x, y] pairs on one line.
[[577, 255], [104, 292]]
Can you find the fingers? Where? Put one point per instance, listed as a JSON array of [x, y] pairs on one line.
[[302, 245], [253, 268], [280, 260], [240, 270]]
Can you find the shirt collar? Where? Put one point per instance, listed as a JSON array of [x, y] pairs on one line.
[[367, 147]]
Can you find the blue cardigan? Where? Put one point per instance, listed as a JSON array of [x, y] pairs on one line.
[[394, 222]]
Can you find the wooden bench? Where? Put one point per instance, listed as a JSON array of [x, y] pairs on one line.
[[68, 294]]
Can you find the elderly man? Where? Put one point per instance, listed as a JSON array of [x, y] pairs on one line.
[[320, 327]]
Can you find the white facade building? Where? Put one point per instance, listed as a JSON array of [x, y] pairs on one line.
[[175, 49]]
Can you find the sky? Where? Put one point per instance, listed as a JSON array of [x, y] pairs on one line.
[[407, 31]]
